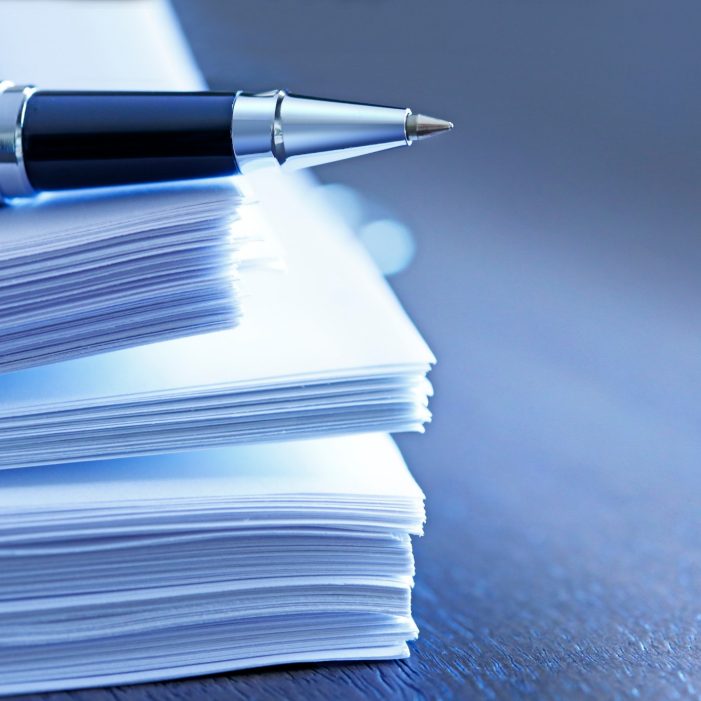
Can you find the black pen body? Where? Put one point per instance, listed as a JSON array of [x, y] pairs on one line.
[[82, 139]]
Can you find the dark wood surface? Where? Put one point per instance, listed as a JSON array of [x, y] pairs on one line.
[[557, 280]]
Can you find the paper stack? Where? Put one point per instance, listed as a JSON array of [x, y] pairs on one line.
[[158, 567], [85, 273], [326, 349], [125, 554]]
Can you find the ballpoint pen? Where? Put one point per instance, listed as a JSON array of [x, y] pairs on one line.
[[63, 140]]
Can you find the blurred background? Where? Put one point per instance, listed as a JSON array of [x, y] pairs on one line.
[[553, 249]]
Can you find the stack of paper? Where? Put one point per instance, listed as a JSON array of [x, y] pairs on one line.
[[326, 349], [85, 273], [143, 569]]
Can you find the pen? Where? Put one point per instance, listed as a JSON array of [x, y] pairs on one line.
[[53, 140]]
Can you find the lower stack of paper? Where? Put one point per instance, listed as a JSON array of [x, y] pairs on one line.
[[149, 568]]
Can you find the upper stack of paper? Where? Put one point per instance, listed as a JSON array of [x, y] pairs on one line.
[[88, 272], [150, 568], [325, 348]]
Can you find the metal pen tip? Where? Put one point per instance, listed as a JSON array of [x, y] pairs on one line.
[[419, 126]]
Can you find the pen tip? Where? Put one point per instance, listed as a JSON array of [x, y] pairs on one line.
[[419, 126]]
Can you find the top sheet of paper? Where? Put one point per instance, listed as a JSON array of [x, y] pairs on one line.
[[368, 465]]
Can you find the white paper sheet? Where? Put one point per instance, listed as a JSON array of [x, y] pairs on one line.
[[368, 464]]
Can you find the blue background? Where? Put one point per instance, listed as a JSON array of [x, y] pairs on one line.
[[556, 278]]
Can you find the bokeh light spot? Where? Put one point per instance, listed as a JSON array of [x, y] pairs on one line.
[[390, 243]]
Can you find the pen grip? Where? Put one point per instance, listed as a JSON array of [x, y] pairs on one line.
[[77, 140]]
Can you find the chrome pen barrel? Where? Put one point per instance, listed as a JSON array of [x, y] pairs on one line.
[[299, 132], [13, 174]]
